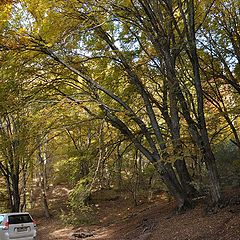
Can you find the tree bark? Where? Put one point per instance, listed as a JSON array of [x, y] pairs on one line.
[[169, 178], [10, 199], [15, 193]]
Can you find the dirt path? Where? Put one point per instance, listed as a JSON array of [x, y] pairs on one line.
[[155, 223], [51, 229]]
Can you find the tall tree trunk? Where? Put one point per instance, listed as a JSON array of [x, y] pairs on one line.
[[206, 148], [42, 162], [180, 164], [213, 176], [10, 199], [198, 130], [15, 193], [24, 187], [119, 169]]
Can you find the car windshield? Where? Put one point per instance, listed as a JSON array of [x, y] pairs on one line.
[[19, 218], [1, 218]]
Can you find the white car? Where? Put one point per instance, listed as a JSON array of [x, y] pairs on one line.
[[17, 226]]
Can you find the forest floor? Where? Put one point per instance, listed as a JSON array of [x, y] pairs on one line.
[[118, 219]]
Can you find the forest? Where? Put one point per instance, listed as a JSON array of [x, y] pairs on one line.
[[134, 97]]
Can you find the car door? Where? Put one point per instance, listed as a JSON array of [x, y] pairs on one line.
[[21, 226]]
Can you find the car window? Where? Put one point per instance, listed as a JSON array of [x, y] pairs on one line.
[[1, 218], [19, 218]]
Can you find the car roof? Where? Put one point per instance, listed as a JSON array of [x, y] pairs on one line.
[[14, 213]]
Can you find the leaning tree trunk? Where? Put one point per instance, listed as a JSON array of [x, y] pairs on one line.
[[166, 170]]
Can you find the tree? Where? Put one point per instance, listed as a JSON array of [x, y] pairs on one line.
[[220, 61], [14, 134], [153, 154], [138, 63]]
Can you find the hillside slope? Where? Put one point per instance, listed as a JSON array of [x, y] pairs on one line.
[[118, 219]]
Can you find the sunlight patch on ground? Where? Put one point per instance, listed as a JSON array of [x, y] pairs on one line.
[[64, 233], [59, 191], [102, 233]]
